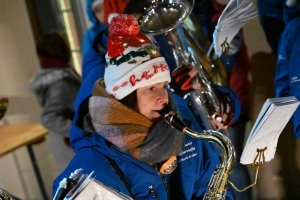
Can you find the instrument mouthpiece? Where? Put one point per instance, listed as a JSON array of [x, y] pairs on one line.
[[171, 118], [165, 110]]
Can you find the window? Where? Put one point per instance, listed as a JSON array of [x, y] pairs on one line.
[[70, 27]]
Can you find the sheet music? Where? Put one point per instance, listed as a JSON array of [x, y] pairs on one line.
[[95, 190], [272, 119], [88, 188], [232, 19]]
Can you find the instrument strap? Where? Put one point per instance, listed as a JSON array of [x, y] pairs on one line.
[[120, 173]]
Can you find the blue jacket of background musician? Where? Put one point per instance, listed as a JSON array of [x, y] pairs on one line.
[[287, 76], [95, 28]]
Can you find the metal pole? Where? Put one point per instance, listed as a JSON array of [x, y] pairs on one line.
[[37, 172]]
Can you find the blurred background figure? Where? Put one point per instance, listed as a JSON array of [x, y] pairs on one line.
[[271, 20], [56, 85], [95, 12], [287, 84]]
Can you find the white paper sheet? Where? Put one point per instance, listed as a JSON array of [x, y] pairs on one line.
[[232, 19], [274, 116], [88, 188], [95, 190]]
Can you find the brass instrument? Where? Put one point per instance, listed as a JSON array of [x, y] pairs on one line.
[[211, 63], [216, 189], [4, 195], [217, 185], [163, 17]]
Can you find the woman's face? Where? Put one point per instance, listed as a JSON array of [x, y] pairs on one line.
[[152, 98], [99, 12]]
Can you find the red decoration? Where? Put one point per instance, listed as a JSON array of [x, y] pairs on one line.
[[124, 24], [124, 32]]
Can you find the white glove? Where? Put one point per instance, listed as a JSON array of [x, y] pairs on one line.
[[235, 44]]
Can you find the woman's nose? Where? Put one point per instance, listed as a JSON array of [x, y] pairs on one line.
[[163, 96]]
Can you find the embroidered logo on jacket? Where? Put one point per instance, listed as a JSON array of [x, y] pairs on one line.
[[188, 152], [295, 79]]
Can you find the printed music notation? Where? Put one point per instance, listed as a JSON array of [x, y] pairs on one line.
[[275, 114], [233, 18]]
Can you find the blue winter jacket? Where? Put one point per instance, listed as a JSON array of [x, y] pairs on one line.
[[272, 8], [198, 159], [139, 176], [93, 31], [287, 77]]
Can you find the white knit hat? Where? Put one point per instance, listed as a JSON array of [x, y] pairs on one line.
[[96, 2], [132, 60]]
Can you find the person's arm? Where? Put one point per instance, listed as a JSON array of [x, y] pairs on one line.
[[285, 47], [95, 56], [57, 100], [281, 80], [86, 43], [294, 77], [93, 67], [92, 62]]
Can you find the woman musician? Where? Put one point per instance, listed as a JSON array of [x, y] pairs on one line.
[[141, 151]]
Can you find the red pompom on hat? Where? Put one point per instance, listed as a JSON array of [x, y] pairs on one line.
[[132, 60], [122, 30], [125, 24]]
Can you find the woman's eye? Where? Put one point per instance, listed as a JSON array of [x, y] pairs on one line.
[[151, 89], [166, 86]]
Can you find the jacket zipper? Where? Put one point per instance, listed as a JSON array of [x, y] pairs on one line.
[[152, 192]]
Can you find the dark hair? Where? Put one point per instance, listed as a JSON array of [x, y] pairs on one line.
[[131, 101], [53, 45]]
